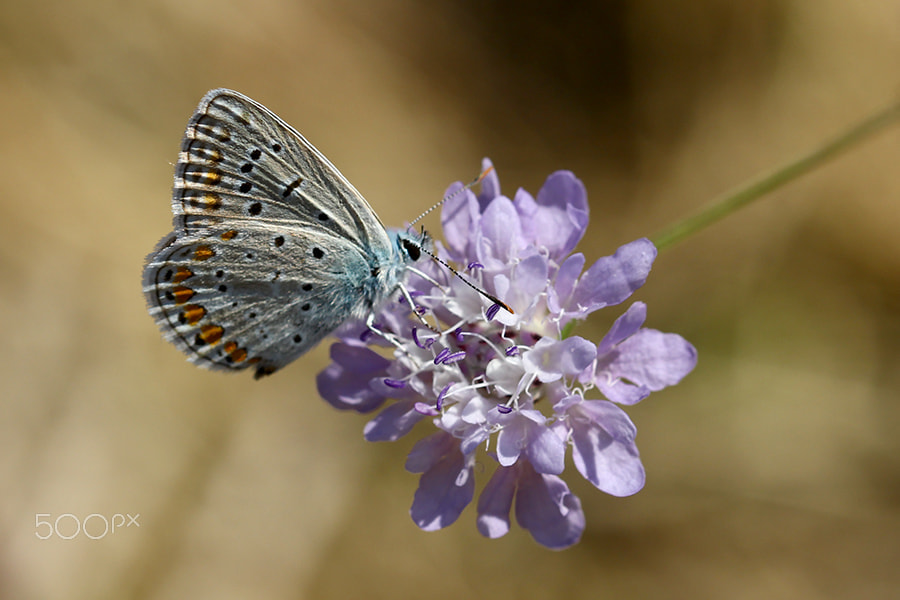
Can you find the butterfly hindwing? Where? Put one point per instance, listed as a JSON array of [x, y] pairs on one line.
[[259, 297]]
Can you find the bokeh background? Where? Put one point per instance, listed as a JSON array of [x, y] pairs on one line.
[[773, 469]]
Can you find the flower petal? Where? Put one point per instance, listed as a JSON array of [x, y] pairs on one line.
[[603, 448], [527, 209], [545, 450], [490, 185], [548, 510], [428, 451], [524, 289], [619, 390], [564, 282], [500, 238], [393, 422], [460, 215], [511, 440], [505, 373], [562, 213], [612, 279], [476, 410], [551, 359], [624, 327], [653, 359], [474, 437], [444, 492], [495, 502], [345, 383]]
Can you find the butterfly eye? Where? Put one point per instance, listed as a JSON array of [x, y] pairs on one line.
[[412, 249]]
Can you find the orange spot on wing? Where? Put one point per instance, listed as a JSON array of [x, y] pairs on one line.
[[210, 154], [203, 252], [211, 334], [230, 234], [182, 274], [182, 294], [235, 354], [202, 175], [192, 313], [206, 201], [211, 177]]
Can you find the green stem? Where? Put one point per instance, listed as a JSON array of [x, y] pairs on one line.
[[758, 187]]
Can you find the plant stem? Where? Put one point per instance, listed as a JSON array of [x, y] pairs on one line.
[[756, 188]]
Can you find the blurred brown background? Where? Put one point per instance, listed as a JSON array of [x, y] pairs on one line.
[[773, 470]]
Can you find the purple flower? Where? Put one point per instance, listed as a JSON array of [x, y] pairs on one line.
[[509, 387]]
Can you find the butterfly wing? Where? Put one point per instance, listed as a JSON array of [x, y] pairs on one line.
[[240, 160], [272, 247]]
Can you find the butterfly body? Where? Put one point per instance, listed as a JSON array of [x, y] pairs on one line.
[[272, 247]]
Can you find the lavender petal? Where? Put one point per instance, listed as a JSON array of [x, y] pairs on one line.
[[548, 510], [653, 359], [393, 422], [345, 383], [495, 502], [604, 451], [444, 492], [614, 278], [624, 327], [562, 213]]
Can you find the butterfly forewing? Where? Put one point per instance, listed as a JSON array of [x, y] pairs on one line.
[[238, 159]]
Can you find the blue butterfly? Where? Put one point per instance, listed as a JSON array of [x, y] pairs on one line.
[[272, 247]]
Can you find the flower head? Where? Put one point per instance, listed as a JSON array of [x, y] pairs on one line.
[[510, 387]]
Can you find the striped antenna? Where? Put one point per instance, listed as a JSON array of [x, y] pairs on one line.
[[493, 299], [468, 186]]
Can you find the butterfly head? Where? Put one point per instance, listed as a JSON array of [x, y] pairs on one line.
[[410, 247]]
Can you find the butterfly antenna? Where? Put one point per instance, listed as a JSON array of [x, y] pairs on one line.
[[468, 186], [493, 299]]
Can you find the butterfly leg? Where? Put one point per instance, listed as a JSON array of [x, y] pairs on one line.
[[389, 337], [414, 308]]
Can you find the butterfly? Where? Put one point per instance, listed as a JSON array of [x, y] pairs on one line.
[[272, 248]]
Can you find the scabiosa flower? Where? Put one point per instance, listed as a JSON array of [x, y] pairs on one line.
[[511, 388]]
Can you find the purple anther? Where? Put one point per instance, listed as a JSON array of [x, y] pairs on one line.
[[492, 311], [444, 353], [442, 395], [424, 344], [415, 337], [452, 358]]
